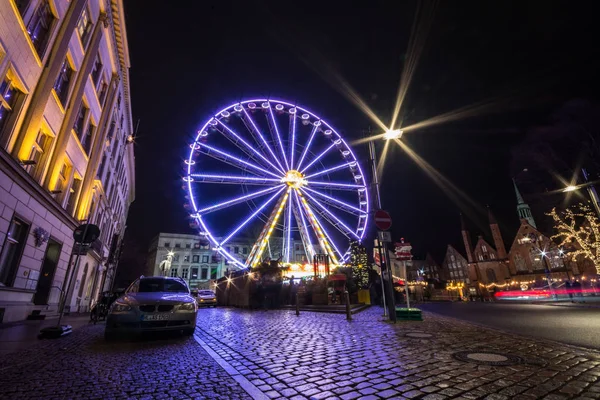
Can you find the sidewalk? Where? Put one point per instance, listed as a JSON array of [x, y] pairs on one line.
[[21, 335]]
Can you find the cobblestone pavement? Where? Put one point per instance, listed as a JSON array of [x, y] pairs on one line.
[[84, 366], [323, 356]]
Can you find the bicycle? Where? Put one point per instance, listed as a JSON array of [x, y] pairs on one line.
[[98, 313]]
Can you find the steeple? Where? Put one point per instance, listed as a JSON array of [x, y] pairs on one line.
[[523, 210], [496, 235], [466, 239]]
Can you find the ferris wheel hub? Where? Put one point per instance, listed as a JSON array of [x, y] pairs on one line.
[[294, 178]]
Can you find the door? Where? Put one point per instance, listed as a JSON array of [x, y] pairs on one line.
[[42, 291]]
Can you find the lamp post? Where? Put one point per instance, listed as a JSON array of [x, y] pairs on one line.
[[386, 274], [590, 188]]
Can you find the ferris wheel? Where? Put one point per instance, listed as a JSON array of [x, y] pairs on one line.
[[268, 170]]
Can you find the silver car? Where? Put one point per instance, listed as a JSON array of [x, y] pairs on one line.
[[207, 298], [154, 303]]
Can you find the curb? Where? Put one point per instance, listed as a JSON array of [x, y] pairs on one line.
[[248, 386]]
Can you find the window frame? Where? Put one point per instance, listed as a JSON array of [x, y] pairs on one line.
[[15, 261]]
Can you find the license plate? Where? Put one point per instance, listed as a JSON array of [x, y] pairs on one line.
[[155, 317]]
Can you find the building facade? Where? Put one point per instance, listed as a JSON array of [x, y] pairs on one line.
[[192, 258], [65, 151]]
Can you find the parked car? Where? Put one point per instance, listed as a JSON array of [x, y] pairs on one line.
[[206, 298], [154, 303]]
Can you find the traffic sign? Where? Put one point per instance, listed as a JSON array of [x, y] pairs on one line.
[[383, 220], [384, 236]]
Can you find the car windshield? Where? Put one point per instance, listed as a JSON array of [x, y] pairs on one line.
[[206, 293], [162, 285]]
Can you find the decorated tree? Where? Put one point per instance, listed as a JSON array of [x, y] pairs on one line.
[[359, 264], [579, 228]]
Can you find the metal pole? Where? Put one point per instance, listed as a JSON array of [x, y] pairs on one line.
[[406, 286], [381, 261], [389, 285], [348, 312], [297, 306], [592, 191]]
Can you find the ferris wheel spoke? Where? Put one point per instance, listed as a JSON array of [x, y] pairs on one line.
[[337, 185], [231, 160], [247, 147], [232, 179], [337, 203], [259, 137], [287, 230], [332, 218], [253, 215], [293, 136], [328, 170], [305, 151], [317, 158], [323, 236], [276, 136], [302, 227], [237, 200]]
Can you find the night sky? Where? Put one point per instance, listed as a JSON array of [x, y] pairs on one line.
[[529, 57]]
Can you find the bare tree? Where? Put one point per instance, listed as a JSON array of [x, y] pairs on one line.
[[578, 228]]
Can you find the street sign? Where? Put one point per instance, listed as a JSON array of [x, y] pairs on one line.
[[383, 220], [384, 236], [403, 251]]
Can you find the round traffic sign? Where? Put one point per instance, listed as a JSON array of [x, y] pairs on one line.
[[383, 220]]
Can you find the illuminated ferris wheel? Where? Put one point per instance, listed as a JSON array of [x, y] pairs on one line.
[[268, 170]]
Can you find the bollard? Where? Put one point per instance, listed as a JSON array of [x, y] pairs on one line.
[[297, 306], [348, 312]]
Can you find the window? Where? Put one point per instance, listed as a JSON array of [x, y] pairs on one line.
[[84, 27], [484, 248], [244, 250], [176, 257], [38, 149], [63, 178], [167, 244], [213, 273], [61, 86], [197, 245], [39, 27], [204, 259], [72, 195], [491, 275], [80, 122], [196, 259], [177, 245], [12, 250], [194, 273], [22, 6], [86, 141], [204, 274], [102, 92], [236, 250], [452, 257], [184, 272], [97, 71], [8, 99], [186, 258], [173, 272]]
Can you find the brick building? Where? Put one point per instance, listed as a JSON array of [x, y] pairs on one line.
[[65, 150]]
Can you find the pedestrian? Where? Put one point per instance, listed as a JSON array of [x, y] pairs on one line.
[[293, 291], [568, 288]]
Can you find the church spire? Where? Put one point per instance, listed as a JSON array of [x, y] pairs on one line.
[[523, 210], [466, 239], [496, 235]]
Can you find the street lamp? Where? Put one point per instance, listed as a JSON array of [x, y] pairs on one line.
[[392, 134], [570, 188]]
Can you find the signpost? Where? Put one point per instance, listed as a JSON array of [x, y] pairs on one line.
[[383, 220]]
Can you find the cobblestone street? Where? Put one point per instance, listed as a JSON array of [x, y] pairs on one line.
[[323, 356], [316, 356], [84, 366]]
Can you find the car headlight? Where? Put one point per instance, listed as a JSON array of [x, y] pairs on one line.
[[120, 307], [188, 307]]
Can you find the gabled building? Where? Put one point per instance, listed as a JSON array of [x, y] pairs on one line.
[[424, 269], [455, 266]]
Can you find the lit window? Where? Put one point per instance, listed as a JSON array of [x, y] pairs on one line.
[[194, 273], [39, 27], [84, 27], [38, 149], [61, 86], [8, 99], [186, 258]]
